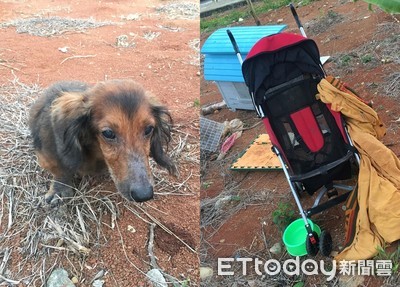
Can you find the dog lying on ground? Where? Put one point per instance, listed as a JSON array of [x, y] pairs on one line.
[[114, 125]]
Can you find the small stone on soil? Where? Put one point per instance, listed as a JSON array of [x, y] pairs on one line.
[[132, 17], [156, 277], [98, 283], [59, 278], [99, 275], [276, 248], [334, 253], [131, 229], [205, 272], [63, 49]]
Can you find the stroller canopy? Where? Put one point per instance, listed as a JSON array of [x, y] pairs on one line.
[[278, 58]]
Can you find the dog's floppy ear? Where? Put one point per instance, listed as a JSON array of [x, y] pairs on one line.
[[70, 119], [161, 137]]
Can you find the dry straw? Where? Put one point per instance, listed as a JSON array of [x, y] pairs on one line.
[[182, 10], [51, 26]]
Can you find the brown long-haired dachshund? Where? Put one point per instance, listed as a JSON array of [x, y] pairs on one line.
[[113, 125]]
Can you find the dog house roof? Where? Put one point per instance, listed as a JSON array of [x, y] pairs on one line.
[[221, 63]]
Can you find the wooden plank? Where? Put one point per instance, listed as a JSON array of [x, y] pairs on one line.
[[258, 156]]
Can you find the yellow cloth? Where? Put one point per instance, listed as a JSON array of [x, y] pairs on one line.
[[378, 195]]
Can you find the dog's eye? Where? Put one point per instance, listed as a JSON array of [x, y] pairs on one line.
[[108, 134], [148, 130]]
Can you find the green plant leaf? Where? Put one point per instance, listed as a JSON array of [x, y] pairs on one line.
[[299, 284], [235, 198], [389, 6], [283, 215]]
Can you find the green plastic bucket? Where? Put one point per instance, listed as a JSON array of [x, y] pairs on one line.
[[295, 236]]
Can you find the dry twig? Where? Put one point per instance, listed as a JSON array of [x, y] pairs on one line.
[[153, 261], [77, 57]]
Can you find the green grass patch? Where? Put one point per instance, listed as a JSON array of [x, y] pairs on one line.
[[216, 21], [207, 184], [345, 60], [394, 257], [213, 22], [196, 103], [366, 58], [283, 215]]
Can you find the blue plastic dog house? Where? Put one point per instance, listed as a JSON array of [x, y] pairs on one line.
[[222, 66]]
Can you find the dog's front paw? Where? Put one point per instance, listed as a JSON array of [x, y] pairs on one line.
[[58, 193]]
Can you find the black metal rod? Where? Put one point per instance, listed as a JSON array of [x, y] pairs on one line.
[[235, 46], [328, 204], [296, 17], [233, 41]]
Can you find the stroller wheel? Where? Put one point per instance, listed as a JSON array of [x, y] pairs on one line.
[[325, 243], [312, 248]]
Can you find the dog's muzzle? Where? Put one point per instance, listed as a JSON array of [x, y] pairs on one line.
[[141, 194], [138, 185]]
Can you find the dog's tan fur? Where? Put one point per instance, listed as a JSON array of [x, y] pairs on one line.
[[114, 125]]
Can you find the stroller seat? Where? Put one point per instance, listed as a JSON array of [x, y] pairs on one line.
[[310, 136]]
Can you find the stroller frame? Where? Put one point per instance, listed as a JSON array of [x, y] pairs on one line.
[[327, 187], [297, 181]]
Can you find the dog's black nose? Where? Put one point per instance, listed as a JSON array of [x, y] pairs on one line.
[[141, 194]]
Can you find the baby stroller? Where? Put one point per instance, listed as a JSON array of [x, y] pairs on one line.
[[282, 72]]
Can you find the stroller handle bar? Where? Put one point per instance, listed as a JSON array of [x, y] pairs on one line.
[[235, 46], [296, 17], [240, 59]]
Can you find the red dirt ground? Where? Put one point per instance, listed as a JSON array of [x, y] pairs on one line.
[[241, 231], [163, 66]]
